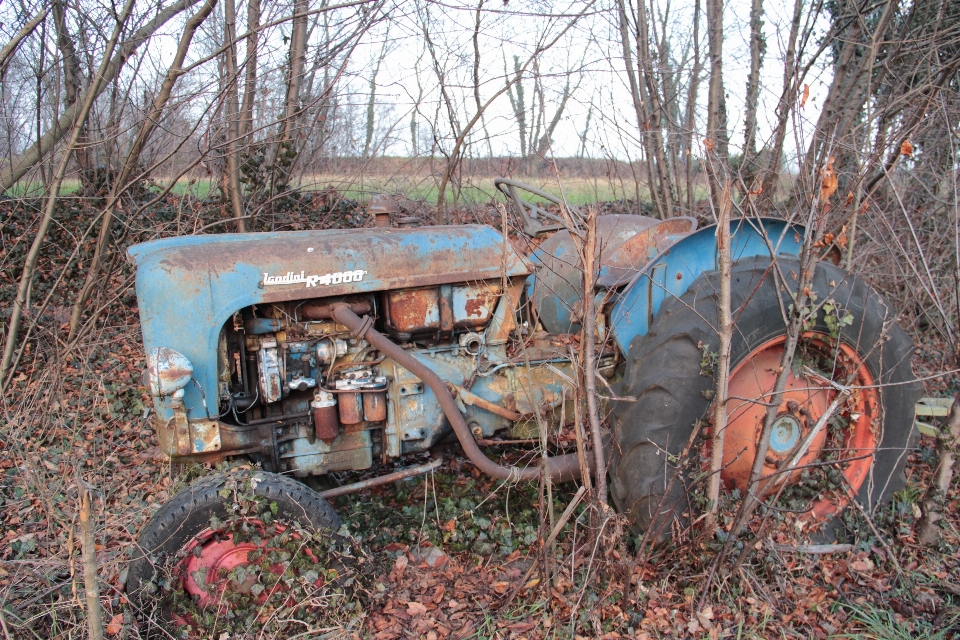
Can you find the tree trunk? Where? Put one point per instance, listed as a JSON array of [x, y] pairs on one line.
[[91, 587], [758, 47], [71, 89], [639, 108], [286, 149], [689, 118], [147, 127], [589, 353], [250, 84], [232, 182], [654, 111], [717, 147], [517, 104], [372, 101], [770, 176], [725, 331]]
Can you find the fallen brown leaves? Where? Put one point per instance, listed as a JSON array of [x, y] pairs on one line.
[[84, 414]]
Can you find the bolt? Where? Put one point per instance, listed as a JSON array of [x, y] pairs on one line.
[[792, 406]]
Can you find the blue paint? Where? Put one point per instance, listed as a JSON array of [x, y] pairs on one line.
[[189, 286], [260, 326], [785, 434], [673, 271]]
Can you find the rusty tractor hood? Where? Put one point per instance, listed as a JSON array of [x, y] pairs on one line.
[[189, 286]]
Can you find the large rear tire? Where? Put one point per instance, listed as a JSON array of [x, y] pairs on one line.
[[670, 372]]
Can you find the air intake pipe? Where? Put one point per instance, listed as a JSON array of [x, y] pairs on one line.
[[560, 468]]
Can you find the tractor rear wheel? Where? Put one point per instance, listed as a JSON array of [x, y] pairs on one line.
[[670, 371]]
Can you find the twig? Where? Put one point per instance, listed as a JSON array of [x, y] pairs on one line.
[[92, 589], [725, 331], [815, 549], [589, 354]]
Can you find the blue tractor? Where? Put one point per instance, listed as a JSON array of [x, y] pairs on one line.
[[315, 352]]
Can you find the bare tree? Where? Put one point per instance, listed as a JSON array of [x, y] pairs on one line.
[[26, 277], [21, 164], [130, 165]]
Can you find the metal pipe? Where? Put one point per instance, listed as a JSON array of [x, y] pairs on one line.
[[409, 472], [559, 468], [471, 398]]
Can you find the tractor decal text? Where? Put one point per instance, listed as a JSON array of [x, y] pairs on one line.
[[340, 277]]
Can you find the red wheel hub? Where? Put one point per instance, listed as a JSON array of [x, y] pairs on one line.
[[805, 400], [215, 554], [218, 555]]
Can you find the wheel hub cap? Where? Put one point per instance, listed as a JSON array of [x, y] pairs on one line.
[[785, 435]]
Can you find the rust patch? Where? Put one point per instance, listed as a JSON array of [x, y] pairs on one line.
[[325, 423], [483, 305], [414, 310], [639, 250]]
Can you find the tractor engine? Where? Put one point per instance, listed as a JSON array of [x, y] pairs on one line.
[[246, 356], [334, 403]]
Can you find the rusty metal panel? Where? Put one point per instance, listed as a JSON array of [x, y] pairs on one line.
[[473, 305], [504, 317], [350, 451], [413, 310], [558, 281], [204, 436], [193, 437], [637, 251]]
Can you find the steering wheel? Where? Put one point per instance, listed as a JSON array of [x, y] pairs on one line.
[[533, 215]]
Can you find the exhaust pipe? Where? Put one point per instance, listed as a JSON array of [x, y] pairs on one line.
[[559, 468]]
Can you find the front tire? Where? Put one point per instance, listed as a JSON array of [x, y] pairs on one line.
[[186, 525], [671, 374]]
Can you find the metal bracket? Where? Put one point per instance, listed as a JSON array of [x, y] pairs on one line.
[[202, 436]]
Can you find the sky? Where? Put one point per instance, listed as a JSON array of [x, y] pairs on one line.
[[593, 46]]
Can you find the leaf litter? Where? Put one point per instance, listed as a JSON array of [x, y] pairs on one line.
[[82, 414]]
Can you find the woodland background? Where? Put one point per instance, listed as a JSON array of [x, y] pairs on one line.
[[122, 123]]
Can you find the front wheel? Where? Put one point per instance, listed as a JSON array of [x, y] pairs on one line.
[[860, 448], [218, 540]]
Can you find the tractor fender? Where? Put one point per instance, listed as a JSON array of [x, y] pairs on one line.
[[676, 268]]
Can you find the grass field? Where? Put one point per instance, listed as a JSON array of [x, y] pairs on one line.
[[473, 190]]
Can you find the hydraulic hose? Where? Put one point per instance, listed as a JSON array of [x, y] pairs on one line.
[[559, 468]]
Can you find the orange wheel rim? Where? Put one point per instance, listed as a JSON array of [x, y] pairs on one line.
[[846, 443]]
